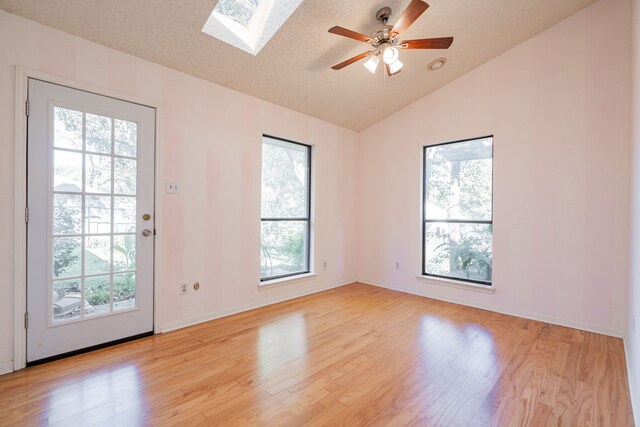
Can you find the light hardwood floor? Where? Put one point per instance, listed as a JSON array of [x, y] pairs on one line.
[[352, 356]]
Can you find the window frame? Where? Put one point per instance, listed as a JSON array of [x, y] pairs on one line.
[[306, 219], [488, 284]]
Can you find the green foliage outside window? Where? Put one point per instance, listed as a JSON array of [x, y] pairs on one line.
[[458, 210]]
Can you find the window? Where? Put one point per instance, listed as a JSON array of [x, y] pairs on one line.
[[248, 24], [286, 206], [458, 214]]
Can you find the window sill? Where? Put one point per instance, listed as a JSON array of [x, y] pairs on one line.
[[459, 284], [286, 280]]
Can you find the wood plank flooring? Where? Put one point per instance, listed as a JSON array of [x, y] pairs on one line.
[[355, 355]]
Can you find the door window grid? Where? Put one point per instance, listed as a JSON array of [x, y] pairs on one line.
[[73, 294]]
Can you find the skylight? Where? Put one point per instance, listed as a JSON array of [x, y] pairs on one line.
[[240, 11], [248, 24]]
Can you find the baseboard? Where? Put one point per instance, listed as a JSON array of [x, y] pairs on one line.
[[618, 333], [6, 367], [179, 324], [633, 387]]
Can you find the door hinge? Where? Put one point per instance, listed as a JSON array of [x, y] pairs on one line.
[[26, 108], [26, 214], [26, 320]]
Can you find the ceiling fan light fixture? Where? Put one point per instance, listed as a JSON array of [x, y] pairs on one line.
[[372, 64], [390, 55], [395, 67], [386, 41]]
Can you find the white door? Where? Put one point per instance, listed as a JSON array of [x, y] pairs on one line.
[[90, 220]]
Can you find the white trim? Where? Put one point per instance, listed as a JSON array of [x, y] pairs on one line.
[[158, 243], [286, 280], [618, 333], [6, 367], [87, 87], [20, 227], [633, 387], [458, 284], [22, 77], [179, 324]]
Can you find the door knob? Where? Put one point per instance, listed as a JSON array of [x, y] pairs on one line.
[[146, 232]]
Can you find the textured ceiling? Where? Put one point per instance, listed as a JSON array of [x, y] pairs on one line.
[[293, 69]]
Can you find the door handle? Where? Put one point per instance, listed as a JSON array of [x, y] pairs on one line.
[[146, 232]]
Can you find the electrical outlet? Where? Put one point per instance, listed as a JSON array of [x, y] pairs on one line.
[[184, 289], [196, 286], [173, 187], [397, 266], [324, 265]]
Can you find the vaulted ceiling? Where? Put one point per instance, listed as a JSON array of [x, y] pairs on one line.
[[293, 69]]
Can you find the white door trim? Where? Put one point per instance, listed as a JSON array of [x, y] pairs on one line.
[[20, 199]]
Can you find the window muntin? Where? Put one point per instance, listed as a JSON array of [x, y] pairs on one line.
[[94, 198], [286, 208], [458, 210]]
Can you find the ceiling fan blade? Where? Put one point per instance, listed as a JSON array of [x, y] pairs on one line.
[[409, 16], [351, 61], [439, 43], [389, 70], [351, 34]]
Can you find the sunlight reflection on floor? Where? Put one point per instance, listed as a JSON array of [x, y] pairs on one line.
[[467, 350], [103, 394], [281, 342]]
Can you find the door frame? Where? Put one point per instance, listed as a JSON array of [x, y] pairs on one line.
[[23, 75]]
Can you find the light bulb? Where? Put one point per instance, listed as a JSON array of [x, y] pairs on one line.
[[372, 64], [395, 67], [390, 55]]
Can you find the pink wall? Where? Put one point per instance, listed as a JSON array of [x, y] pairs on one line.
[[558, 106], [632, 344], [211, 142]]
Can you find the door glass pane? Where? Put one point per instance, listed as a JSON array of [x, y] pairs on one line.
[[66, 299], [67, 214], [97, 293], [97, 254], [124, 252], [67, 171], [98, 175], [124, 291], [67, 129], [93, 267], [66, 257], [98, 134], [126, 138], [124, 214], [97, 214], [124, 178]]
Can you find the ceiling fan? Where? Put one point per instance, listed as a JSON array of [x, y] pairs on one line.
[[386, 41]]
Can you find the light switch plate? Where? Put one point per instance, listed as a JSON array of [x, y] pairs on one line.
[[173, 187]]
